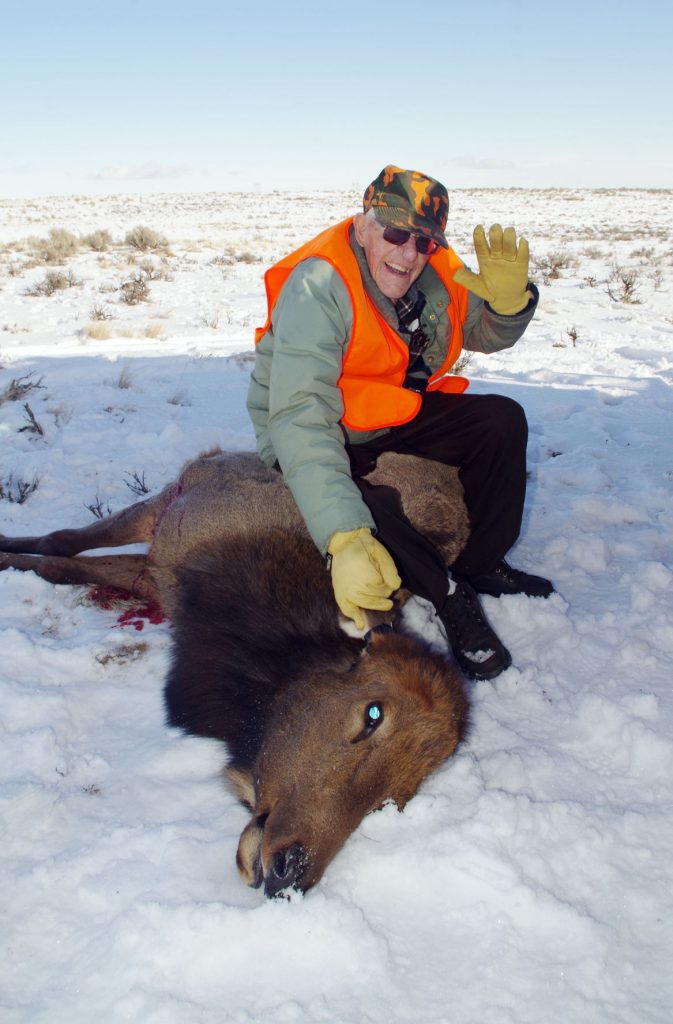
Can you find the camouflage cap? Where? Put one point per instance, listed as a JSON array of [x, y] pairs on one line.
[[409, 200]]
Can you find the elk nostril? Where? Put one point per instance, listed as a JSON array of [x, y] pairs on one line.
[[280, 863], [285, 869]]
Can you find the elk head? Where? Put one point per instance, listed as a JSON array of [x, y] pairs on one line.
[[338, 745]]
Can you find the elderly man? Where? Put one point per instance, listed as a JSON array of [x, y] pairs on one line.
[[365, 322]]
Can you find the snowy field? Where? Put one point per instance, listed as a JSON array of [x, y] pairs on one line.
[[531, 879]]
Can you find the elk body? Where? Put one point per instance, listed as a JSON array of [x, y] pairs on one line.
[[320, 727]]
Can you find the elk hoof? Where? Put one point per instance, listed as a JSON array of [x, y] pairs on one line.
[[285, 870]]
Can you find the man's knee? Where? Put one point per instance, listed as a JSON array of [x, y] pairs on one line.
[[505, 417]]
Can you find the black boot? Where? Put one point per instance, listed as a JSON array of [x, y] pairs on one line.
[[506, 580], [475, 646]]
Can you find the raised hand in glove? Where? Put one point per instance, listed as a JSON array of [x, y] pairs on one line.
[[503, 270], [363, 574]]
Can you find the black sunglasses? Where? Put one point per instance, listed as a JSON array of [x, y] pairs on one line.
[[398, 236]]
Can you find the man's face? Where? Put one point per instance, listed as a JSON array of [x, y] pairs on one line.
[[393, 267]]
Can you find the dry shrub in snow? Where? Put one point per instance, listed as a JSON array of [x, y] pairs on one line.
[[144, 238], [232, 255], [96, 508], [32, 425], [210, 320], [19, 387], [98, 312], [645, 254], [461, 364], [156, 271], [15, 329], [99, 241], [53, 281], [135, 290], [151, 270], [246, 256], [136, 483], [57, 248], [17, 490], [622, 285], [226, 260], [551, 265], [592, 252]]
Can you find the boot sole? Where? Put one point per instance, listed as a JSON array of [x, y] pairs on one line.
[[508, 593], [485, 674]]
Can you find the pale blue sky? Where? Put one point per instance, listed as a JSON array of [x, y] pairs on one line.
[[147, 96]]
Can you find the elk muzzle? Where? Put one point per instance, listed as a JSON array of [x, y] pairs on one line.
[[286, 869]]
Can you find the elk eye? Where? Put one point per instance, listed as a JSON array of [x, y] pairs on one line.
[[373, 719], [373, 716]]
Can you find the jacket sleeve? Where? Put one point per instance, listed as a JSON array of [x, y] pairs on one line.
[[486, 331], [311, 325]]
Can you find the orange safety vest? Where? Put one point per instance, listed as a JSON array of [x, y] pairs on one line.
[[376, 359]]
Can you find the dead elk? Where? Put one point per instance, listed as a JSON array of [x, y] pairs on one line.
[[320, 727]]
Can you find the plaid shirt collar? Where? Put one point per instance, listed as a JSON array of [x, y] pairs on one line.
[[409, 309]]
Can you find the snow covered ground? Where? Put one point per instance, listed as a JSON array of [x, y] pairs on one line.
[[531, 879]]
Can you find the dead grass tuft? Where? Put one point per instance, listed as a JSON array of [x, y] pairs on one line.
[[124, 380], [98, 331]]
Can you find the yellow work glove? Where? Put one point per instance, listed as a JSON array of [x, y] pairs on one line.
[[503, 270], [363, 574]]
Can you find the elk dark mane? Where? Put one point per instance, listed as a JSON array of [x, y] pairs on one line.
[[252, 615]]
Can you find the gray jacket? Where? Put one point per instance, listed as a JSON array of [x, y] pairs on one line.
[[294, 400]]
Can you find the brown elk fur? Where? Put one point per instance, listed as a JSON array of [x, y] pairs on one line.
[[260, 660]]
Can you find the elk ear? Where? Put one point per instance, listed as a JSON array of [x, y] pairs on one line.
[[249, 854], [372, 635], [243, 786]]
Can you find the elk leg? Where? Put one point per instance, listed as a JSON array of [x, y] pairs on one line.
[[131, 525], [123, 572]]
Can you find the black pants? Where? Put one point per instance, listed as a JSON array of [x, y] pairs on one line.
[[485, 436]]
